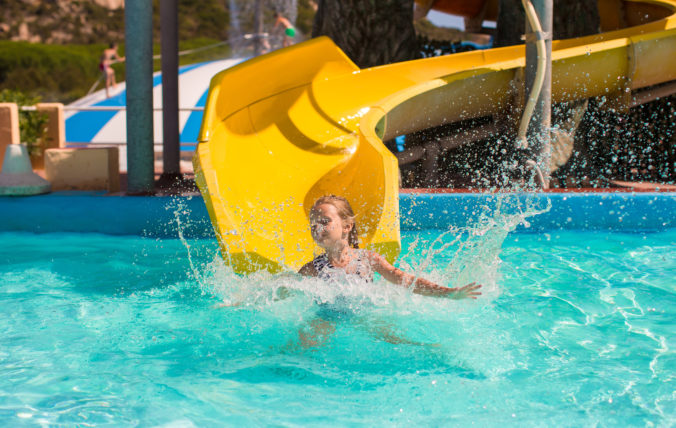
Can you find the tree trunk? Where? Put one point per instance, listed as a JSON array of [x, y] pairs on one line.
[[511, 23], [576, 18], [370, 32], [572, 18]]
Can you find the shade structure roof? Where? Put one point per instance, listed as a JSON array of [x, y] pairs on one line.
[[110, 126]]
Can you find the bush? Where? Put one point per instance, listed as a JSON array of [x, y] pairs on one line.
[[32, 124], [54, 72], [64, 73], [305, 17]]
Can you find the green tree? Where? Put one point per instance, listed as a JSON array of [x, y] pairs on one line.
[[306, 14]]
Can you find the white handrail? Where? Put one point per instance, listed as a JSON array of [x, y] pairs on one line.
[[121, 108], [121, 143]]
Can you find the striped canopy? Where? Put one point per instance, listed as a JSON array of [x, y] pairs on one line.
[[110, 127]]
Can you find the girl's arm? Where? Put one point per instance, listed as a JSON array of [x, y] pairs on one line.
[[421, 286]]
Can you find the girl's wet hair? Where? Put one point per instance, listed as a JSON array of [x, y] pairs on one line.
[[346, 214]]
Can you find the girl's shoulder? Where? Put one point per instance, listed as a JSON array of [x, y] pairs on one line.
[[309, 269]]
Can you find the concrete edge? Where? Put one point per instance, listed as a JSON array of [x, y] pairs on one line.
[[95, 212]]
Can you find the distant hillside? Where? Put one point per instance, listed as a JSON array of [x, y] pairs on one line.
[[60, 21], [98, 21], [85, 22], [51, 48]]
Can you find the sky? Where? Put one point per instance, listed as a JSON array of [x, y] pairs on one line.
[[441, 19]]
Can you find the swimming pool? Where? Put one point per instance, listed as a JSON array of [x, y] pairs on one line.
[[575, 328]]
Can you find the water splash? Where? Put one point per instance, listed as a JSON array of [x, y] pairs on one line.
[[457, 333], [452, 257]]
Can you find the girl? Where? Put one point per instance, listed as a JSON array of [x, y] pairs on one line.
[[334, 229]]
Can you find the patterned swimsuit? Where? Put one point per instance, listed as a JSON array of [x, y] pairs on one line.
[[341, 309], [326, 271]]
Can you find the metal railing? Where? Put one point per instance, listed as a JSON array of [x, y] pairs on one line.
[[120, 143], [106, 108], [121, 108], [191, 144]]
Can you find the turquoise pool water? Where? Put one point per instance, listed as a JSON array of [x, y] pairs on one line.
[[574, 329]]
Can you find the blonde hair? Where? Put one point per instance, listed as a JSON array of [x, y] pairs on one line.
[[344, 212]]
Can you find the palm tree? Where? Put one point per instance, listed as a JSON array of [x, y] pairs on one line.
[[372, 32], [572, 18]]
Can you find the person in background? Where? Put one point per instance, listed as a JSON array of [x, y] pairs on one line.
[[289, 31], [108, 58]]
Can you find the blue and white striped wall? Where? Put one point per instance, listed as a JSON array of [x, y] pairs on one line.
[[109, 127]]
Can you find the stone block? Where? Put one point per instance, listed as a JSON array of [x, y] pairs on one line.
[[86, 168]]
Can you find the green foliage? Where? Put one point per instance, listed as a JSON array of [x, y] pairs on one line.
[[54, 72], [305, 17], [206, 19], [32, 124], [64, 73], [205, 51]]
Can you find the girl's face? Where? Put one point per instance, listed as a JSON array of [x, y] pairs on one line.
[[327, 228]]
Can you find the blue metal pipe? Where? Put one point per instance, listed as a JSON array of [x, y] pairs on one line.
[[138, 20]]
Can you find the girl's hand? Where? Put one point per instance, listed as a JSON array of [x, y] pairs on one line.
[[421, 285], [469, 291]]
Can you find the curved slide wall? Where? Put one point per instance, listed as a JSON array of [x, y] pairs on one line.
[[283, 129]]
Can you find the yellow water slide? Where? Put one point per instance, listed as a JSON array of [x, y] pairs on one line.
[[283, 129]]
